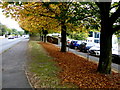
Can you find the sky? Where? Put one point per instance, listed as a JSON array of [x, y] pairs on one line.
[[10, 23]]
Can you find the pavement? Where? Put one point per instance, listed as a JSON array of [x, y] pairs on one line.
[[13, 66]]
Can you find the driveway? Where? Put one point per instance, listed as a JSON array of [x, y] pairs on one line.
[[13, 63]]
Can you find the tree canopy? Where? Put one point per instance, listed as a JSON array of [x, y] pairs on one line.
[[63, 16]]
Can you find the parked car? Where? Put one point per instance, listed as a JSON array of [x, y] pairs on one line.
[[116, 58], [84, 47], [68, 42], [11, 37], [95, 50], [15, 36], [74, 44]]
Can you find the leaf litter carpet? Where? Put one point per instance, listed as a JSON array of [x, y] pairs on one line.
[[80, 71]]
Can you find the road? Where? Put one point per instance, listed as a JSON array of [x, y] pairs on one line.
[[115, 67], [7, 43]]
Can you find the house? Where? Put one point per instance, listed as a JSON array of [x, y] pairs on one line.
[[93, 37]]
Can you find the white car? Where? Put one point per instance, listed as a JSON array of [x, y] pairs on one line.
[[11, 37], [95, 50]]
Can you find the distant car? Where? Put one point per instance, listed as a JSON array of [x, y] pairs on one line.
[[84, 47], [26, 36], [11, 37], [16, 36]]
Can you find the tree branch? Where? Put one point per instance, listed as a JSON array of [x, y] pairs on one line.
[[116, 28], [51, 10], [115, 6], [98, 4], [84, 17], [47, 16], [115, 15]]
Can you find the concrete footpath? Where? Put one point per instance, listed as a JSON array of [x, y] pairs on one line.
[[13, 66]]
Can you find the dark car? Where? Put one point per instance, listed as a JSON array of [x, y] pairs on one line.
[[68, 42], [84, 47], [74, 44], [116, 58]]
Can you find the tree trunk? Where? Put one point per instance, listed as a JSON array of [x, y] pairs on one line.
[[105, 53], [40, 36], [44, 38], [105, 39], [63, 37]]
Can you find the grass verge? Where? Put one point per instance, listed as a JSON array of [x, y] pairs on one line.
[[42, 71]]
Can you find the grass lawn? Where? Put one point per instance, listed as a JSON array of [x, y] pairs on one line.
[[42, 71]]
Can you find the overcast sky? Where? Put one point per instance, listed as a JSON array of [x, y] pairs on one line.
[[10, 23]]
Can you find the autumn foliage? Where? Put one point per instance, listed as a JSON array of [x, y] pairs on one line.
[[78, 70]]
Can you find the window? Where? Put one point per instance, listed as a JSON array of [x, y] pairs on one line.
[[96, 41], [96, 34], [90, 34]]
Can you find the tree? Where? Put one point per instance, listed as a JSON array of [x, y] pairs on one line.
[[107, 29], [77, 32], [9, 31], [35, 16], [20, 33], [99, 16], [14, 31], [96, 16], [3, 29]]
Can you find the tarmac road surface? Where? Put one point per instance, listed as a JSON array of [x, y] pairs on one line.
[[7, 43]]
